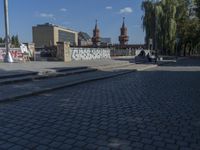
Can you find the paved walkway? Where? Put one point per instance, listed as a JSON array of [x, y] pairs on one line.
[[157, 109], [13, 88], [37, 66]]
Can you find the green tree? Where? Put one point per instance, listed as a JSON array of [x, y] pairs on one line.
[[148, 20], [172, 22], [198, 8], [188, 30], [17, 44], [160, 19], [190, 36], [15, 41], [182, 18], [166, 12], [1, 40]]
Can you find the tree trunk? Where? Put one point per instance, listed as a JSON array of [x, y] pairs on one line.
[[163, 45], [184, 53], [179, 50]]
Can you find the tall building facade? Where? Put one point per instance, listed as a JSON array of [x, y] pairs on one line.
[[96, 36], [123, 38], [49, 34]]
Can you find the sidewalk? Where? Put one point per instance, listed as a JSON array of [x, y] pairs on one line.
[[42, 66], [35, 84]]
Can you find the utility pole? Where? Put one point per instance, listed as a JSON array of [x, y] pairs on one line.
[[8, 56]]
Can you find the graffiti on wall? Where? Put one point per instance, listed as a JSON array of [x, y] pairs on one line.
[[89, 53], [15, 52]]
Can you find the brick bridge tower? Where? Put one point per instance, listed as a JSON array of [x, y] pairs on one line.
[[96, 36], [123, 38]]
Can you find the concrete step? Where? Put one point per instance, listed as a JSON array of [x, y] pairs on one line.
[[44, 75], [17, 74], [55, 72], [63, 69], [14, 92]]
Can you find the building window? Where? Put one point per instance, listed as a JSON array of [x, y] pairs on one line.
[[65, 36]]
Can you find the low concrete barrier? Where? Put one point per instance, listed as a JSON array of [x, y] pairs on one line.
[[66, 53], [122, 52], [89, 53]]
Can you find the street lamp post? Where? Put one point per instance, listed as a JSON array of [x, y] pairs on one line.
[[8, 57]]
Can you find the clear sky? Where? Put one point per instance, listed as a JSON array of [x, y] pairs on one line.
[[79, 15]]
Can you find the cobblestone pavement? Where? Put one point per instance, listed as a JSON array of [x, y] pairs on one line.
[[24, 89], [139, 111]]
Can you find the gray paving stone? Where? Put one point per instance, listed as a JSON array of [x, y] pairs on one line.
[[14, 139], [154, 109], [42, 147], [45, 141], [55, 144], [172, 146], [16, 147], [76, 148], [80, 144], [70, 141], [146, 141], [6, 145], [60, 138], [137, 144], [32, 145], [65, 147], [149, 147], [103, 148], [125, 147], [157, 138], [185, 148], [27, 136], [91, 146], [80, 138], [159, 144]]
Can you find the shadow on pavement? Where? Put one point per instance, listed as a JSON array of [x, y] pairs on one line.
[[152, 104], [130, 60]]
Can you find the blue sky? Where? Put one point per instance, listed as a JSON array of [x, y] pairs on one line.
[[79, 15]]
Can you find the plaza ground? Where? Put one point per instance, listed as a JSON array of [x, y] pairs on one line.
[[157, 108]]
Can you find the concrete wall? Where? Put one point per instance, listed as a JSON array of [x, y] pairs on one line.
[[63, 51], [122, 52], [89, 53]]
